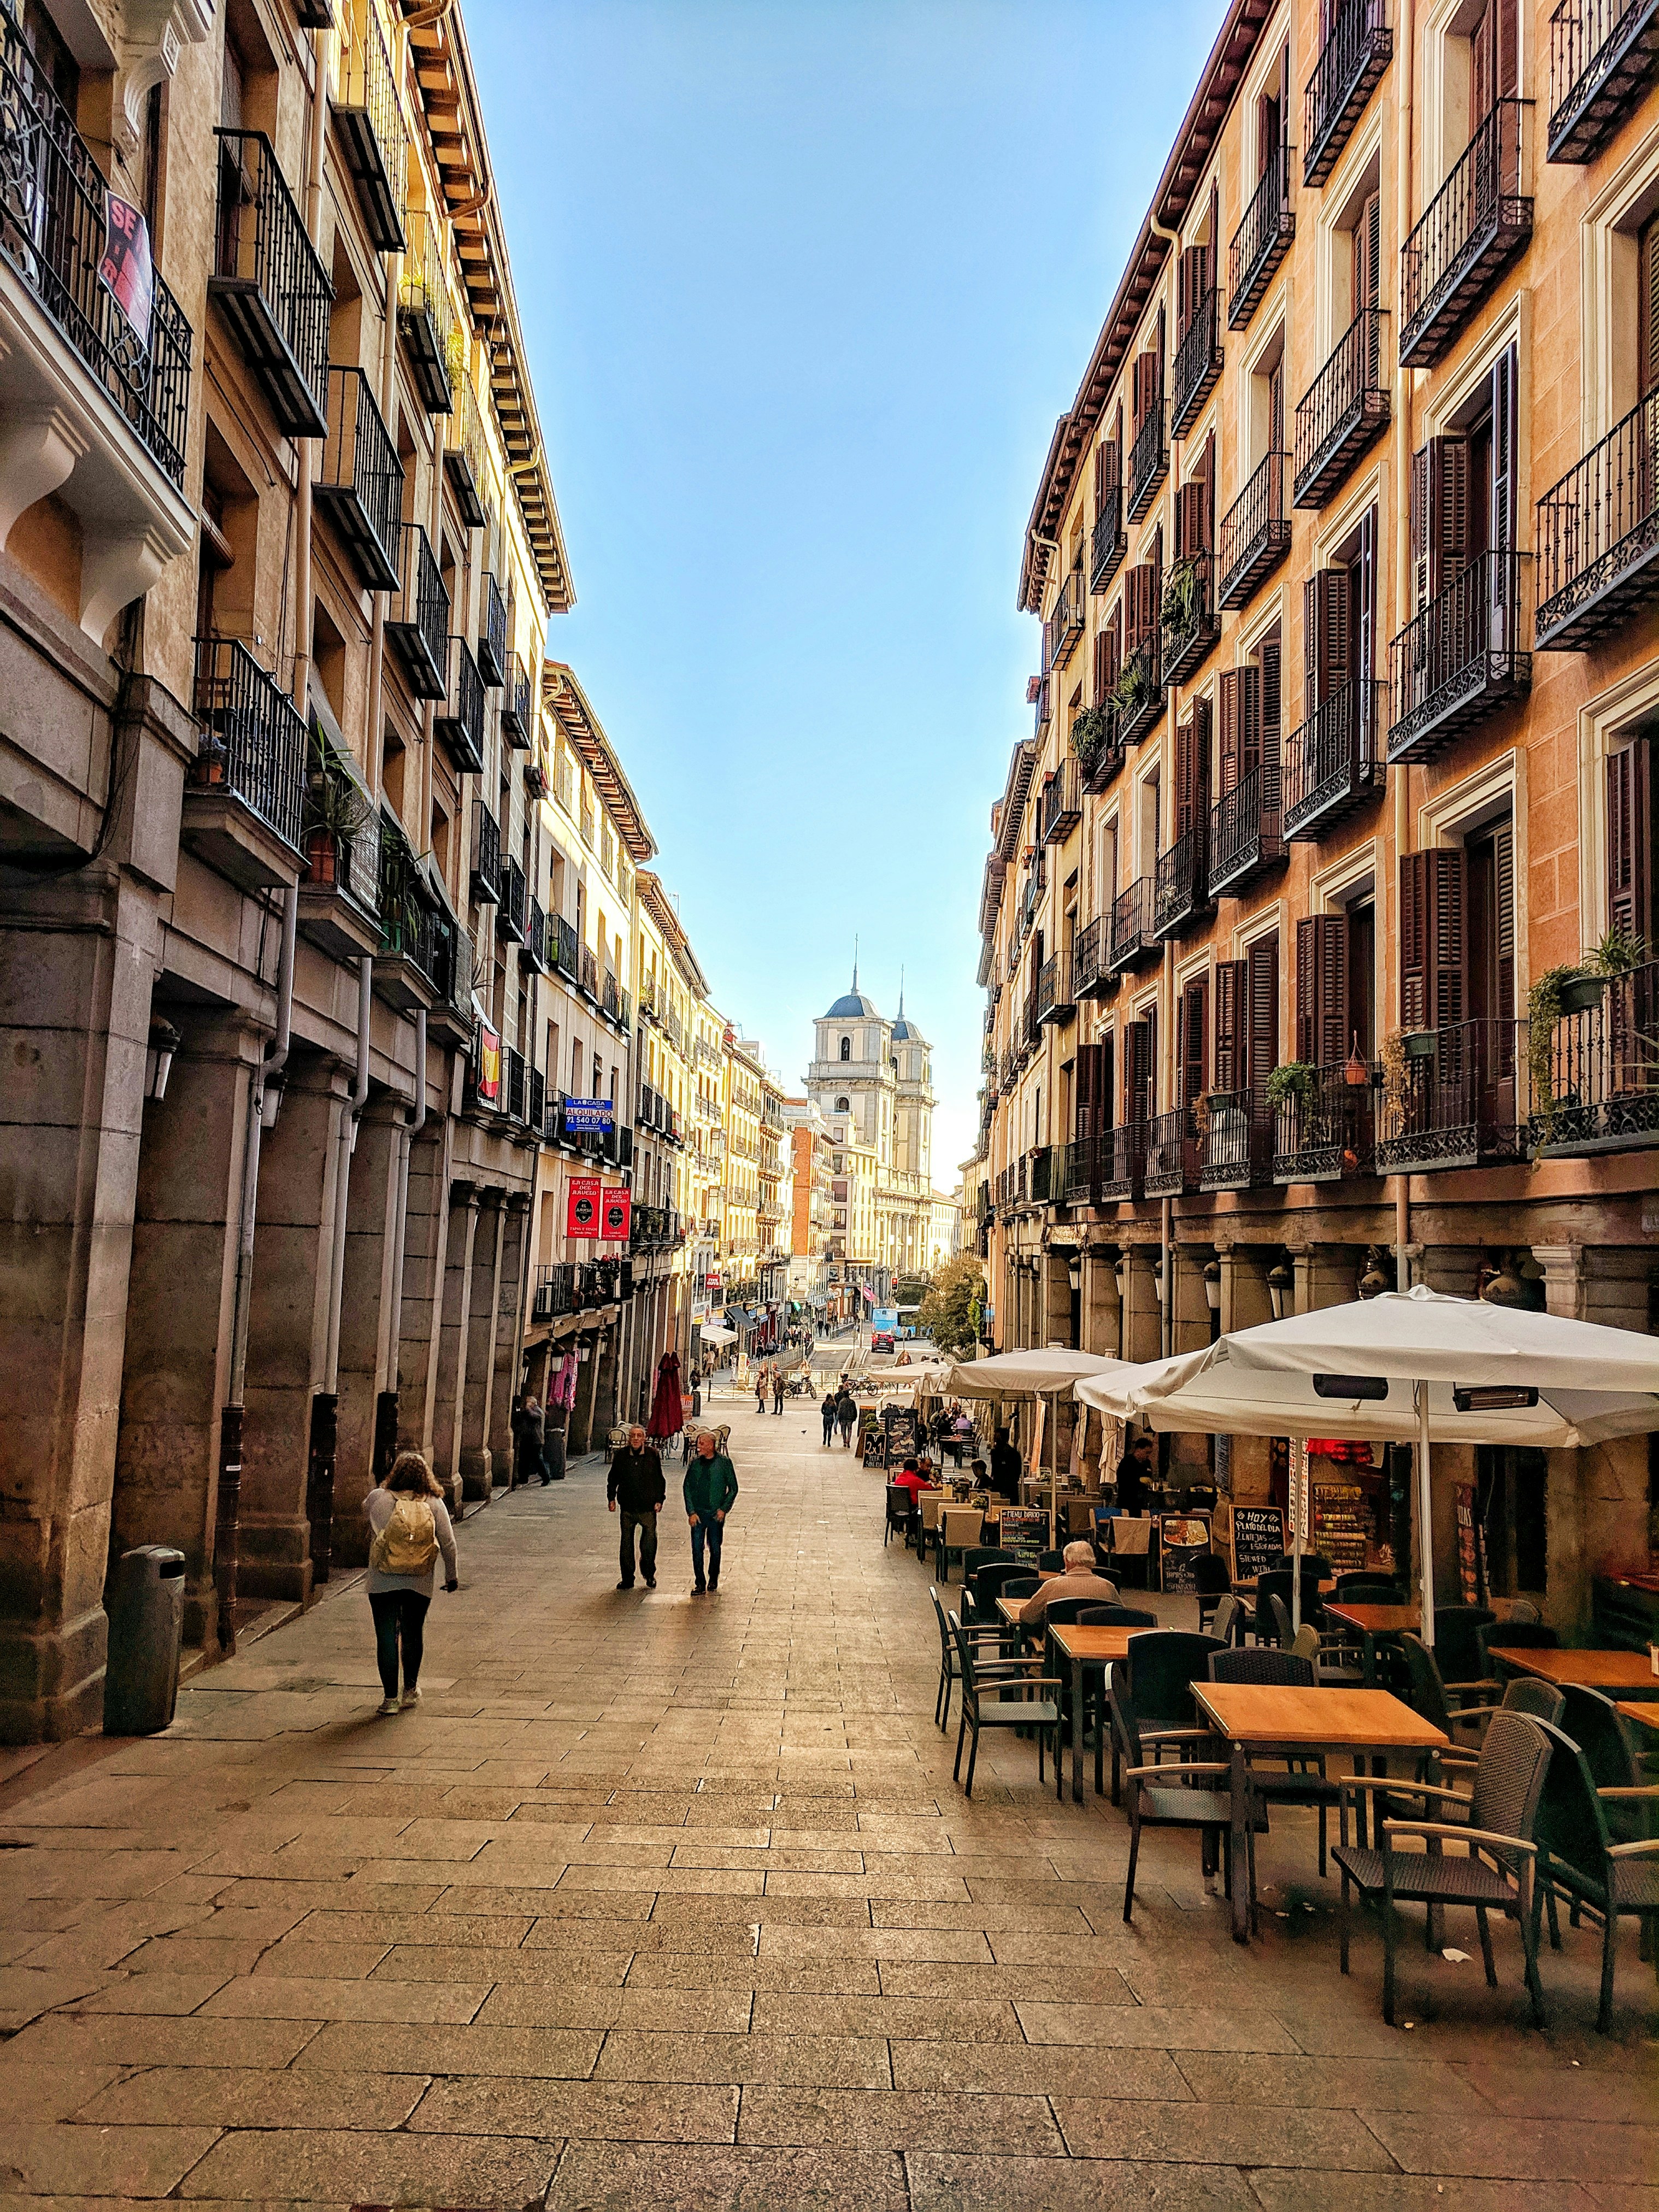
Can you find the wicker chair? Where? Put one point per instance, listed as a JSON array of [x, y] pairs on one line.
[[1303, 1780]]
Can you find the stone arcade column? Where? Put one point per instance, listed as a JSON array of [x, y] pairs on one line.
[[581, 1413], [426, 1243], [1103, 1312], [455, 1337], [515, 1227], [478, 1387], [370, 1225], [1143, 1315]]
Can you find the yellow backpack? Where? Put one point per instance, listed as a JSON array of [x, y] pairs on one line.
[[408, 1542]]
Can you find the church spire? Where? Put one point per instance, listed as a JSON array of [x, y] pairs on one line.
[[855, 965], [900, 1011]]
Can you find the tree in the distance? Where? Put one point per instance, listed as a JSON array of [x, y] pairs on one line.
[[950, 1311]]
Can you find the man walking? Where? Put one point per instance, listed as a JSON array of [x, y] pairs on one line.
[[847, 1414], [710, 1486], [829, 1409], [637, 1489], [777, 1389]]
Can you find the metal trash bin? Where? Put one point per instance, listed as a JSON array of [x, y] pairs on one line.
[[146, 1624]]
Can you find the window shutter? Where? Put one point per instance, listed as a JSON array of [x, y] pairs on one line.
[[1368, 255], [1509, 47], [1276, 407], [1503, 858], [1250, 718], [1307, 989], [1106, 658], [1192, 503], [1321, 990], [1139, 1097], [1193, 801], [1445, 514], [1229, 771], [1229, 989], [1326, 641], [1262, 1014], [1141, 619], [1630, 858], [1193, 1026], [1363, 646], [1648, 308], [1501, 510], [1087, 1091], [1433, 938], [1146, 388]]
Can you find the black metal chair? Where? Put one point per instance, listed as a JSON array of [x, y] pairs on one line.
[[1593, 1722], [1497, 1873], [1276, 1583], [1212, 1583], [1456, 1643], [1366, 1589], [1578, 1857], [1304, 1782], [1113, 1616], [1011, 1706], [1149, 1696], [1518, 1635], [1195, 1794], [949, 1667], [1430, 1693], [987, 1583], [1052, 1563], [983, 1555], [898, 1512]]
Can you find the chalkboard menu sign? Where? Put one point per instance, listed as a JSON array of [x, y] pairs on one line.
[[1024, 1532], [900, 1423], [1258, 1540], [1182, 1538]]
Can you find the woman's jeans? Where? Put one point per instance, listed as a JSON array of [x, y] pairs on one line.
[[398, 1614], [706, 1529]]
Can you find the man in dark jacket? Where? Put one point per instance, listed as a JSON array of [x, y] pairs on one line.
[[1005, 1468], [1134, 1470], [710, 1486], [637, 1487]]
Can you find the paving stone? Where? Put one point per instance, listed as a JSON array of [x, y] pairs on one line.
[[939, 2184], [281, 1997], [255, 2097], [876, 2120], [37, 2094], [1520, 2150], [348, 2048], [1248, 2134], [829, 2060], [101, 2161], [290, 2164], [594, 2178], [138, 2041], [564, 2005], [617, 2112], [1377, 2085]]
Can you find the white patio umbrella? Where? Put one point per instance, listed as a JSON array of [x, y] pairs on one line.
[[1413, 1366], [1053, 1372]]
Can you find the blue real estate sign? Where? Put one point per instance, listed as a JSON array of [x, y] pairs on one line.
[[589, 1117]]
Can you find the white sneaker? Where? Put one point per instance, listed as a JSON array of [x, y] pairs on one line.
[[412, 1697], [389, 1706]]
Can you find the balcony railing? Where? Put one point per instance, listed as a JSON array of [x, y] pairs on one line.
[[554, 1293], [1105, 1169], [1141, 691], [1109, 540], [534, 958], [1256, 534], [566, 947], [359, 479], [347, 860], [515, 1099], [1174, 1160], [1598, 536], [1040, 702], [1234, 1142], [1099, 748], [492, 633], [1090, 976], [425, 317], [1060, 808], [1596, 1090], [459, 728], [486, 856], [1064, 627], [1457, 1106], [1149, 460], [465, 463], [1191, 619], [611, 998], [1198, 362], [1329, 1130], [410, 932], [1181, 894], [1460, 659], [510, 913], [1475, 225], [253, 741], [588, 971], [370, 121], [1357, 47], [1246, 832], [1343, 413], [1134, 940], [518, 726], [1602, 54], [271, 287], [1055, 998], [1332, 762], [417, 617], [1261, 241], [53, 216]]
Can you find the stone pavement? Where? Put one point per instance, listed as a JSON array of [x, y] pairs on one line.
[[660, 1903]]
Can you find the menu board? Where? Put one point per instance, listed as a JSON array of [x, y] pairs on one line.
[[1340, 1525], [900, 1423], [1182, 1538], [1258, 1540], [1024, 1532]]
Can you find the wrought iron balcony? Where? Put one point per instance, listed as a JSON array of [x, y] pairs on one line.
[[1191, 619], [492, 632], [1090, 976], [1105, 1169], [360, 480], [515, 1094], [1134, 940], [465, 463], [1343, 413], [535, 958], [340, 888], [554, 1293], [1475, 225], [1064, 627], [518, 715], [1099, 747], [1461, 660], [587, 977], [1060, 807], [1234, 1142], [1261, 241], [1332, 762], [1180, 896], [1198, 362], [1040, 702], [1140, 692], [370, 121], [1356, 49], [425, 316], [1149, 461], [566, 947], [1055, 1002], [1108, 541], [486, 856], [1246, 833], [271, 287], [510, 912], [1598, 536], [251, 763], [417, 617], [1456, 1105], [1256, 534], [409, 964], [1041, 1177], [1596, 1090], [53, 228], [1329, 1131], [1174, 1161], [1602, 54], [611, 998], [460, 727]]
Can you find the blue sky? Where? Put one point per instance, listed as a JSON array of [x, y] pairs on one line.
[[805, 284]]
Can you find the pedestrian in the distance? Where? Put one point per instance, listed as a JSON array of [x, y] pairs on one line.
[[410, 1526], [847, 1417], [636, 1490], [531, 1425], [710, 1486], [777, 1389], [760, 1388], [829, 1409]]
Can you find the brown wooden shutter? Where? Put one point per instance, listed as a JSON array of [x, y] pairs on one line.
[[1194, 1027], [1276, 407], [1648, 308], [1368, 255], [1440, 515], [1322, 990], [1106, 660], [1139, 1097], [1262, 1018], [1144, 388], [1086, 1091], [1192, 771], [1229, 772], [1508, 42], [1250, 718], [1504, 890], [1141, 596], [1326, 642], [1500, 512], [1229, 992], [1630, 859], [1191, 519], [1433, 938], [1271, 707]]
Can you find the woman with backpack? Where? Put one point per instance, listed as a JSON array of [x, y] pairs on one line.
[[410, 1526]]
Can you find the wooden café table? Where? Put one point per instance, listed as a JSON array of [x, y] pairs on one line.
[[1613, 1673], [1089, 1650], [1371, 1622], [1268, 1721]]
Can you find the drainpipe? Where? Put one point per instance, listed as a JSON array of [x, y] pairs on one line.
[[325, 1402], [229, 1502], [1402, 828], [386, 1411]]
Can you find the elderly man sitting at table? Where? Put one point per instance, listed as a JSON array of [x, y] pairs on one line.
[[1079, 1580]]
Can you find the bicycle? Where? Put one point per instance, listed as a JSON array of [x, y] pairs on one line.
[[799, 1386]]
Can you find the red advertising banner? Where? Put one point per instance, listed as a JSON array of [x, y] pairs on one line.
[[615, 1213], [582, 1206]]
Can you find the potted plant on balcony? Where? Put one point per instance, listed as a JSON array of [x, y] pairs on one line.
[[1181, 600], [1291, 1084], [334, 811], [1617, 953], [1133, 691], [1091, 733]]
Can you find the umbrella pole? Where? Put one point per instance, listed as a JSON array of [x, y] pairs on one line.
[[1299, 1491], [1425, 1533], [1054, 1468]]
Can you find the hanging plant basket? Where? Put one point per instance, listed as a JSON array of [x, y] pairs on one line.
[[1419, 1044], [1580, 993]]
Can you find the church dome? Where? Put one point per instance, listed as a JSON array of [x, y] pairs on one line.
[[854, 1007]]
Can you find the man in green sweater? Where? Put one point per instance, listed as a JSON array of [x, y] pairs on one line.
[[711, 1484]]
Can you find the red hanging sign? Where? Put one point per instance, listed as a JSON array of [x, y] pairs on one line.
[[615, 1213], [582, 1206]]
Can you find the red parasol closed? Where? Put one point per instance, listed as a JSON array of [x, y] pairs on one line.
[[667, 1409]]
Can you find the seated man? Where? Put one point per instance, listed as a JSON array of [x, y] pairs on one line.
[[1005, 1469], [1079, 1580], [910, 1477]]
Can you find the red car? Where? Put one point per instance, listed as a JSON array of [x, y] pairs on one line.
[[881, 1340]]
